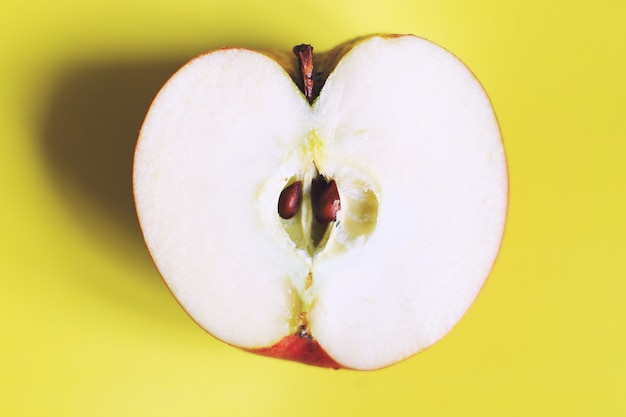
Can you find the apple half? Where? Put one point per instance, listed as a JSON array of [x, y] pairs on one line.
[[341, 209]]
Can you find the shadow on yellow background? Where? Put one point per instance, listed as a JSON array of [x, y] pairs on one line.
[[88, 136]]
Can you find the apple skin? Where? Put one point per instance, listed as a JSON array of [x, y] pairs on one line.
[[300, 349]]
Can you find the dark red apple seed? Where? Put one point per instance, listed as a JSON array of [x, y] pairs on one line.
[[289, 200], [328, 204]]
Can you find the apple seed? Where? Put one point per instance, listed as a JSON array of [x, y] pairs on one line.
[[289, 200], [317, 188], [328, 204]]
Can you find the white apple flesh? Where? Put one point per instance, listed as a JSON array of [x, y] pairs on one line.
[[410, 139]]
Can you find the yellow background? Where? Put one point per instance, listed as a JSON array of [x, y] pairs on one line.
[[88, 328]]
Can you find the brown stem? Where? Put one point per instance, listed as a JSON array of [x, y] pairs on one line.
[[305, 59]]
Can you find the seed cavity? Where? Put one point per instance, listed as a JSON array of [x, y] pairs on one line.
[[289, 200], [319, 213]]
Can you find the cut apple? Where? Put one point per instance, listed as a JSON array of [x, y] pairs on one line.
[[341, 209]]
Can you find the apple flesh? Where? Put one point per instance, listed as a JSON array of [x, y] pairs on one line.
[[362, 276]]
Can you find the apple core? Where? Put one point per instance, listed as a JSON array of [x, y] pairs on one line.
[[310, 210]]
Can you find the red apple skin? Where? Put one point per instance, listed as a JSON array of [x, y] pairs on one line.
[[301, 349]]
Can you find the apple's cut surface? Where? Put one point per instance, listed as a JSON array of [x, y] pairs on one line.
[[341, 209]]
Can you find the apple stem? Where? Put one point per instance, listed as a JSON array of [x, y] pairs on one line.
[[305, 59]]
